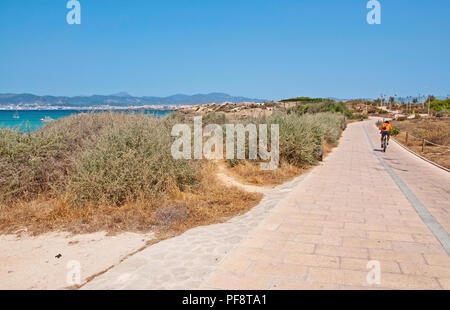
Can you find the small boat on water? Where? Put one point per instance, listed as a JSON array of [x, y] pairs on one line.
[[46, 119], [16, 115]]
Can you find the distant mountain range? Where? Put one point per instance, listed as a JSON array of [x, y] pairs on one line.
[[121, 99]]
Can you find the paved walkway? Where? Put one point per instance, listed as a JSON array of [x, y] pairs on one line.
[[343, 214], [183, 262]]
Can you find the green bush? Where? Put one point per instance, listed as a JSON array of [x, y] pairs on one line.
[[312, 108], [26, 164], [395, 131], [359, 116], [440, 105], [376, 110], [441, 113], [40, 161], [93, 159], [214, 118], [307, 100], [301, 137], [131, 161]]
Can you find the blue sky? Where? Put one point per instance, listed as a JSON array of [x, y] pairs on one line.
[[255, 48]]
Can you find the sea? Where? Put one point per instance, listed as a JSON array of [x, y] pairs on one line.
[[31, 120]]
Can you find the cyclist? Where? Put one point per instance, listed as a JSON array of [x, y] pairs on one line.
[[385, 130]]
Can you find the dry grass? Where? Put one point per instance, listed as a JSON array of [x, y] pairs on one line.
[[249, 172], [210, 202], [434, 130], [439, 155]]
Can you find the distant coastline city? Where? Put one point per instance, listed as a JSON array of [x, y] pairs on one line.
[[29, 112], [120, 101]]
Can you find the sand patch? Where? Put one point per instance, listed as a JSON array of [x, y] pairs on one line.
[[28, 262]]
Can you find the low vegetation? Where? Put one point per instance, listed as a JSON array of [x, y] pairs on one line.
[[115, 172], [106, 171], [435, 130], [92, 158], [325, 105], [441, 107], [303, 141], [301, 138], [307, 100]]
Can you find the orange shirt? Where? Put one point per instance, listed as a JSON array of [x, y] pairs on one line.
[[387, 126]]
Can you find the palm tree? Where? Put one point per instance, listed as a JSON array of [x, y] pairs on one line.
[[391, 102], [415, 101], [430, 99], [408, 104]]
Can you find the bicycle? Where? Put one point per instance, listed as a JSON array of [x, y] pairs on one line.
[[384, 145]]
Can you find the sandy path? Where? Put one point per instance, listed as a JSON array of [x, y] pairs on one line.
[[221, 174], [28, 262]]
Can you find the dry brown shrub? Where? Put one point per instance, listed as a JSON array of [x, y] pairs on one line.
[[210, 202]]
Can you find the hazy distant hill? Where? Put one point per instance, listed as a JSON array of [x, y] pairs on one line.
[[120, 99]]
